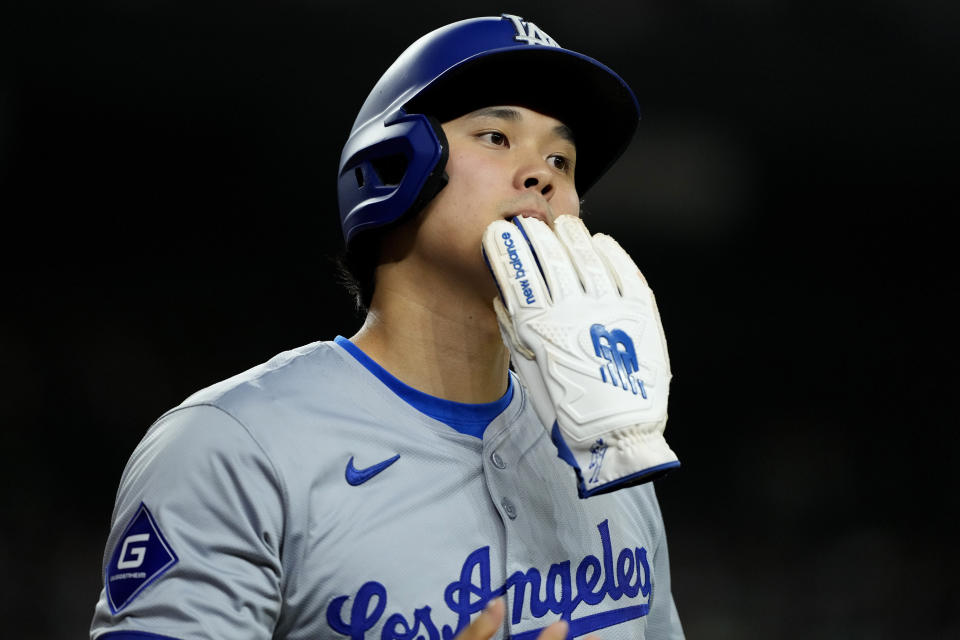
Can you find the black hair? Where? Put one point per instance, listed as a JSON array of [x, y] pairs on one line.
[[356, 268]]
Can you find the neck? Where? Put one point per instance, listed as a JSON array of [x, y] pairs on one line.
[[435, 337]]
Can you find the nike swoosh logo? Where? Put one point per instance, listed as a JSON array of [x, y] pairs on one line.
[[356, 477]]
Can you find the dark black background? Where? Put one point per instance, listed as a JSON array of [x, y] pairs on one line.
[[169, 209]]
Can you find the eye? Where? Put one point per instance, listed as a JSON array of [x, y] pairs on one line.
[[495, 138], [561, 163]]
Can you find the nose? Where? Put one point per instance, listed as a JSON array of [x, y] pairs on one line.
[[536, 176]]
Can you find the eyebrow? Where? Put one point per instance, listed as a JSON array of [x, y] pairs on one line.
[[506, 113]]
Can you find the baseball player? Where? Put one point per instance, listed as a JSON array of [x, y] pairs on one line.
[[405, 483]]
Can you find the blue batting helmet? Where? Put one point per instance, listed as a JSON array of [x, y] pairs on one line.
[[393, 162]]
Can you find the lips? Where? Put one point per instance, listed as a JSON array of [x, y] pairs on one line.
[[528, 205], [532, 213]]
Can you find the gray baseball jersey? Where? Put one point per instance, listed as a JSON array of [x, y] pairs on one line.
[[306, 499]]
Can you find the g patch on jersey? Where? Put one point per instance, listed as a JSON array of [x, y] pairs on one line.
[[141, 556]]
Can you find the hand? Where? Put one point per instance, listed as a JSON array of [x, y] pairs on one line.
[[491, 619], [585, 338]]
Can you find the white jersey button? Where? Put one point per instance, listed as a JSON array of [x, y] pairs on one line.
[[508, 508], [498, 461]]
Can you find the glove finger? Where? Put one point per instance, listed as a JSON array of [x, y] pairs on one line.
[[626, 274], [593, 273], [554, 261], [632, 284], [513, 266]]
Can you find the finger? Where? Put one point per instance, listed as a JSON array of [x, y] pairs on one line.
[[553, 260], [486, 624], [514, 267], [590, 268], [629, 280], [625, 273], [556, 631]]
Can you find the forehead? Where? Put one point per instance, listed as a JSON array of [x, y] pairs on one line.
[[523, 116]]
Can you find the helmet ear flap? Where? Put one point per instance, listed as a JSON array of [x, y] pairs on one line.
[[438, 177], [390, 170]]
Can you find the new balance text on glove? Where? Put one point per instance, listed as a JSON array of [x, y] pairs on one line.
[[585, 338]]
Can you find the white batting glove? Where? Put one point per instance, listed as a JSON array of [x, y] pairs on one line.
[[585, 338]]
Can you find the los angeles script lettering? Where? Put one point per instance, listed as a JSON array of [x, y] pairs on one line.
[[594, 579]]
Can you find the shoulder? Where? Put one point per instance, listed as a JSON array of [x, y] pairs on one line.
[[300, 409], [253, 412], [291, 389], [287, 372]]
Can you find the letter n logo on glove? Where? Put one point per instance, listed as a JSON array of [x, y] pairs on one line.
[[617, 349]]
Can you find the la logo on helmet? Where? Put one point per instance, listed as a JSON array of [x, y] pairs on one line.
[[529, 32]]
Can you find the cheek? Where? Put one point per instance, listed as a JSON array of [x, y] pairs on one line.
[[456, 218], [471, 193], [567, 202], [474, 171]]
